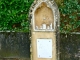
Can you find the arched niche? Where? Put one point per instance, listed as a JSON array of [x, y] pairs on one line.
[[43, 18]]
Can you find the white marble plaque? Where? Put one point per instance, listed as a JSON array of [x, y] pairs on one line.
[[44, 48]]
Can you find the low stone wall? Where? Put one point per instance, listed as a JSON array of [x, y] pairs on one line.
[[70, 47], [14, 45]]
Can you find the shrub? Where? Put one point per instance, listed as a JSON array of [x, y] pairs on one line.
[[70, 16], [14, 15]]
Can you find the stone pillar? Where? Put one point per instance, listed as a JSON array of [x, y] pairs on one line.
[[44, 18]]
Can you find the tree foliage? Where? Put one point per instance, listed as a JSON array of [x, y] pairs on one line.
[[70, 16], [14, 15]]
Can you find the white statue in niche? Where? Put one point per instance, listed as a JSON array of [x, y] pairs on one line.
[[44, 18], [45, 27]]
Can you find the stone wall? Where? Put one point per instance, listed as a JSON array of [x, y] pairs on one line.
[[70, 47], [17, 45], [14, 45]]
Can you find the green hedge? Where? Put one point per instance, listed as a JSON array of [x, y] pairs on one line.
[[70, 16], [14, 15]]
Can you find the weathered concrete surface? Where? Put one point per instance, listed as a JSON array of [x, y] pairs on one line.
[[70, 47], [14, 45]]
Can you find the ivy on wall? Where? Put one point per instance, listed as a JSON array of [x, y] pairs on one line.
[[14, 15]]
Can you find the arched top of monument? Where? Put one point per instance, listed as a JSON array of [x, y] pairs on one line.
[[50, 3], [45, 4]]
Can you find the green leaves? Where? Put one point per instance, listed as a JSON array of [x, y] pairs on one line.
[[12, 13], [70, 20]]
